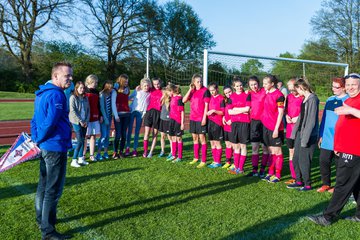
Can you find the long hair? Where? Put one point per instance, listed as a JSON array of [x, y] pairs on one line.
[[226, 99], [77, 85], [304, 84], [107, 87], [121, 81]]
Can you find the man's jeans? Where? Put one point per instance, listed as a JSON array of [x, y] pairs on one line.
[[50, 187]]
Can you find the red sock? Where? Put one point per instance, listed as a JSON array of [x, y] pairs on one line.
[[242, 162], [219, 153], [173, 150], [203, 152], [255, 162], [228, 154], [180, 149], [272, 164], [292, 169], [236, 160], [196, 150], [146, 143], [279, 159]]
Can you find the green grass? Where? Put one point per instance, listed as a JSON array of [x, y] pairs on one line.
[[16, 95], [16, 110], [139, 198]]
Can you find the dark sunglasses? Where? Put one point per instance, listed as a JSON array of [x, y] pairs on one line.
[[357, 76]]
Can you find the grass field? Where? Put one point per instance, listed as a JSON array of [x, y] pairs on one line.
[[137, 198], [16, 95], [16, 110]]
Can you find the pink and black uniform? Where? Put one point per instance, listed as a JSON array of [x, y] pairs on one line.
[[240, 125], [198, 98], [215, 125], [227, 132], [273, 101], [176, 108]]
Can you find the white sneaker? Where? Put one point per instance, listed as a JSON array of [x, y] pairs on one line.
[[75, 164], [81, 161]]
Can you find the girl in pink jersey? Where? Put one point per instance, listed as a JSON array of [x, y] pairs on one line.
[[292, 111], [152, 116], [257, 105], [177, 117], [199, 97], [239, 110], [273, 130], [227, 128], [215, 126]]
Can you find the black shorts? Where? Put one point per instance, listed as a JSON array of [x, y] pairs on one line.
[[269, 141], [228, 136], [175, 129], [241, 132], [215, 132], [290, 143], [152, 119], [164, 126], [256, 129], [195, 127]]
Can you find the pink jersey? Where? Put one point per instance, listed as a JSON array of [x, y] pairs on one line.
[[257, 103], [154, 99], [227, 128], [216, 103], [198, 98], [272, 102], [292, 108], [239, 101], [176, 107]]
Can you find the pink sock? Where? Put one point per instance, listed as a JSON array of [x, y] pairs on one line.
[[196, 150], [279, 159], [180, 149], [272, 164], [214, 153], [236, 160], [146, 143], [203, 152], [228, 154], [219, 153], [292, 169], [242, 162], [264, 161], [255, 162], [173, 150]]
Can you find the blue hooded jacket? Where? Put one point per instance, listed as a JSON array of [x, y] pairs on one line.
[[50, 126]]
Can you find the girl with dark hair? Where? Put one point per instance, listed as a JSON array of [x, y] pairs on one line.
[[227, 128]]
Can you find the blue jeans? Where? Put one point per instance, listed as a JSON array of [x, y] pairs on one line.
[[135, 115], [80, 133], [50, 187], [120, 131], [103, 141]]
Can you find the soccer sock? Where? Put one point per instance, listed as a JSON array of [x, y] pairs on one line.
[[180, 149], [292, 169], [203, 152], [173, 150], [236, 160], [219, 154], [279, 159], [146, 143], [264, 161], [214, 153], [272, 164], [196, 150], [255, 162], [228, 154], [242, 162]]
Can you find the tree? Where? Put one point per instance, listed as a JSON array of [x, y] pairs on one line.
[[252, 66], [115, 27], [285, 70], [20, 20], [339, 22]]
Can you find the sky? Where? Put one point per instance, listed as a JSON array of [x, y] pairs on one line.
[[258, 27]]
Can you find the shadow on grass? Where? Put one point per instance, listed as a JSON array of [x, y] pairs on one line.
[[219, 187], [272, 228], [29, 188]]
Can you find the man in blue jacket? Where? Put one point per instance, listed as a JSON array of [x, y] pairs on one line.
[[51, 131]]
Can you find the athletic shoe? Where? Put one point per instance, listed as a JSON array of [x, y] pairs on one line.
[[75, 164], [252, 174], [162, 154], [115, 155], [82, 161], [226, 165], [331, 190], [274, 179], [149, 155], [56, 236], [134, 153], [305, 189], [92, 158], [352, 218], [323, 188], [236, 171], [294, 185], [127, 152], [215, 165], [99, 157], [290, 181], [267, 178], [232, 167], [171, 158], [194, 161], [261, 175], [319, 220], [145, 154], [177, 160], [106, 155], [169, 155], [201, 165]]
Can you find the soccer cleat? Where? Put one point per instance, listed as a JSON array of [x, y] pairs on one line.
[[99, 157], [127, 152], [232, 167], [177, 160], [145, 154], [274, 179], [319, 220], [215, 165], [267, 178], [236, 171], [201, 165], [261, 175], [149, 155], [92, 158], [323, 188], [290, 181], [106, 155], [194, 161], [252, 174], [75, 164], [162, 154], [331, 190], [171, 158], [82, 161], [115, 155], [305, 189], [294, 185], [134, 153], [352, 218], [226, 165]]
